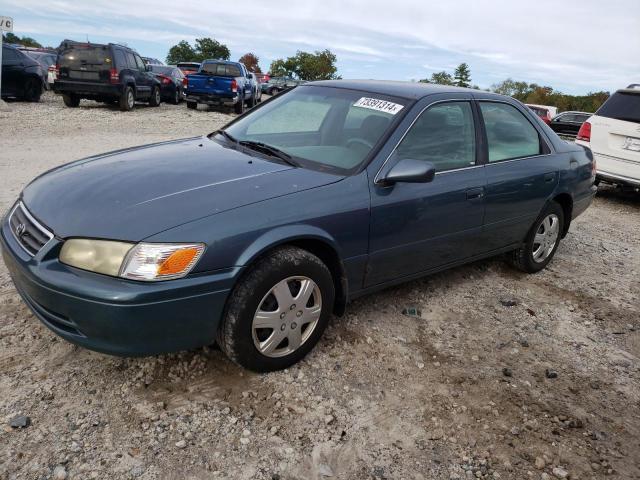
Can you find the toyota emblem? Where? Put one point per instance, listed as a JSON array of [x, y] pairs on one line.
[[20, 229]]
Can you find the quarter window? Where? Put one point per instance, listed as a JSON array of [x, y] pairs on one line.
[[443, 135], [509, 134]]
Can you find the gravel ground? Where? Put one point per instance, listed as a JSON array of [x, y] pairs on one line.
[[497, 374]]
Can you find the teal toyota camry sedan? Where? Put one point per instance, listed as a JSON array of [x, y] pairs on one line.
[[256, 234]]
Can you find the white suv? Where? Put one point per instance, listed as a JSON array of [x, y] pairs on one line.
[[613, 135]]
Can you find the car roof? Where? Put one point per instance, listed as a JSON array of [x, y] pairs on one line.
[[409, 90]]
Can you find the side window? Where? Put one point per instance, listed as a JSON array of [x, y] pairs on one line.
[[131, 61], [509, 134], [443, 135], [121, 62], [290, 117], [140, 63]]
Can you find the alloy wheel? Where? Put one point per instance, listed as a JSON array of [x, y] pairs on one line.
[[546, 238], [286, 316]]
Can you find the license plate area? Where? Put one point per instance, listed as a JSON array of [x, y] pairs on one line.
[[631, 144]]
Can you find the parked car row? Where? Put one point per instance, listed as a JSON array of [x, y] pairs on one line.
[[275, 85]]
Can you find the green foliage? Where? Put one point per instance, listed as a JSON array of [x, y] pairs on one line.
[[462, 75], [250, 60], [182, 52], [208, 48], [10, 37], [440, 78], [204, 49], [545, 95], [320, 65]]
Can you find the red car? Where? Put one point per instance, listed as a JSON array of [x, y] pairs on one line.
[[545, 112]]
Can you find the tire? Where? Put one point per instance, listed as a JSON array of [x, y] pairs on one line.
[[192, 105], [71, 101], [239, 107], [251, 102], [155, 99], [273, 91], [32, 90], [128, 99], [532, 256], [268, 349], [176, 97]]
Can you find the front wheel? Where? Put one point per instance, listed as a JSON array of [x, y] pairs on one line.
[[542, 241], [155, 99], [192, 105], [278, 311]]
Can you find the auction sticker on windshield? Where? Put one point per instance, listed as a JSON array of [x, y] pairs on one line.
[[379, 105]]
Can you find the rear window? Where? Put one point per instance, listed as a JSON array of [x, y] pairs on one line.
[[221, 69], [622, 106], [161, 69], [86, 56]]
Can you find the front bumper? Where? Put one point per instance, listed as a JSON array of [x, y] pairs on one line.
[[117, 316], [215, 100]]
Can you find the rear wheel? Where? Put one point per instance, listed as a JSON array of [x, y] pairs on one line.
[[127, 100], [176, 97], [278, 311], [239, 107], [32, 90], [155, 98], [71, 100], [192, 105], [542, 241]]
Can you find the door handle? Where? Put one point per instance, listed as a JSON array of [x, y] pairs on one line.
[[549, 177], [475, 193]]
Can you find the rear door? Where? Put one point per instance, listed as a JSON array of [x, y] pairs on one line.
[[521, 173], [86, 63], [144, 79], [615, 135]]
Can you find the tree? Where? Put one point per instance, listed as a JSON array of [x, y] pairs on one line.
[[10, 37], [462, 75], [320, 65], [511, 88], [250, 60], [440, 78], [204, 49], [182, 52], [207, 48]]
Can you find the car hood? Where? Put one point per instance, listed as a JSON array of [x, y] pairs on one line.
[[134, 193]]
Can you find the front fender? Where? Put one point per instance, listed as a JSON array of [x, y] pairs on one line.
[[281, 235]]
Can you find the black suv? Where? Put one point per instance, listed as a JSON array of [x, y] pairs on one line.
[[22, 76], [105, 73]]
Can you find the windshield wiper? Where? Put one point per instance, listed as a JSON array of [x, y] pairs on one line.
[[269, 150]]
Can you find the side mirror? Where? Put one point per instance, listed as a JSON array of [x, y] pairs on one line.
[[147, 67], [409, 170], [249, 75]]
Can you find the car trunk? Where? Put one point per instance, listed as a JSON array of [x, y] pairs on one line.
[[204, 83], [90, 63]]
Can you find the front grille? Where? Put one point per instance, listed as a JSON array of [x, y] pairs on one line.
[[29, 233]]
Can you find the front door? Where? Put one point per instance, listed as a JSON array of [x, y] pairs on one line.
[[417, 227]]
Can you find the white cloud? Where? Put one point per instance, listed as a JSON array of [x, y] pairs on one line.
[[577, 43]]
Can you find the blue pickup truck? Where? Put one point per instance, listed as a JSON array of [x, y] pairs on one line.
[[222, 83]]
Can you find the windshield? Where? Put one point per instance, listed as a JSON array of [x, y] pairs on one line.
[[325, 128], [221, 69]]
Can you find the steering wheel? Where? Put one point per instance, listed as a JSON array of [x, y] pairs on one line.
[[361, 141]]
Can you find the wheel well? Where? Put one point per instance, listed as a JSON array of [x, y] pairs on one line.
[[566, 202], [330, 258]]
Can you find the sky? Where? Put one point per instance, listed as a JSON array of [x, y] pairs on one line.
[[575, 46]]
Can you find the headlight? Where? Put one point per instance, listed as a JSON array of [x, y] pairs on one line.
[[142, 261]]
